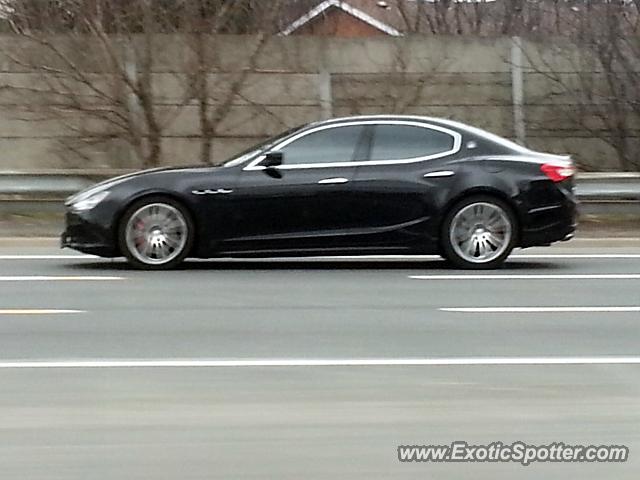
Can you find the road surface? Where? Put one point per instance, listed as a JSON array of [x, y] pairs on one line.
[[314, 369]]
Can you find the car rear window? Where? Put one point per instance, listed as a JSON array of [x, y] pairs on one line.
[[401, 142]]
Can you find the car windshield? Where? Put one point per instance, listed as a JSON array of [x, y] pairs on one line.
[[245, 155]]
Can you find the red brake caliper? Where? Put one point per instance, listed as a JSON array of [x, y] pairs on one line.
[[140, 238]]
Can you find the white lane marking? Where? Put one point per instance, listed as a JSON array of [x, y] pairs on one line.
[[605, 239], [539, 309], [47, 257], [346, 257], [25, 311], [293, 362], [438, 257], [579, 255], [606, 276], [41, 278]]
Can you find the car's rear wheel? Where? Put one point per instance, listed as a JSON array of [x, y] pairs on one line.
[[156, 234], [479, 233]]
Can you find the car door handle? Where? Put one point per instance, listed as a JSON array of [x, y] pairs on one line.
[[333, 181], [441, 174]]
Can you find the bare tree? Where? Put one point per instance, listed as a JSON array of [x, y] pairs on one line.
[[588, 51], [88, 72], [93, 66], [595, 67], [402, 84], [202, 27]]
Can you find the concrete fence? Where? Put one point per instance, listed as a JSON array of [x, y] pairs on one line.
[[485, 82]]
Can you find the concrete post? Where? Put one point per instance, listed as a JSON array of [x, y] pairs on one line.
[[326, 100], [134, 109], [517, 84]]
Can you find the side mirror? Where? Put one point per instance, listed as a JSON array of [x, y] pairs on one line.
[[273, 159]]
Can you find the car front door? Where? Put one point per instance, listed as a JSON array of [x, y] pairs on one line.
[[304, 203]]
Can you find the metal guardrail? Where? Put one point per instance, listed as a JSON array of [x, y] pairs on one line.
[[54, 184], [609, 193], [44, 191]]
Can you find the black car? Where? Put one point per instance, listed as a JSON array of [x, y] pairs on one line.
[[359, 185]]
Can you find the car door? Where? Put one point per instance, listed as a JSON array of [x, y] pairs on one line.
[[397, 193], [305, 203]]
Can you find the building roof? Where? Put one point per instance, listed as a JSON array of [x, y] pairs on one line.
[[344, 6]]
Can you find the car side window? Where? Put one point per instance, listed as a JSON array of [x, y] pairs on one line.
[[331, 145], [401, 142]]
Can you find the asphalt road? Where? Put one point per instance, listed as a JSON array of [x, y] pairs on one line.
[[314, 369]]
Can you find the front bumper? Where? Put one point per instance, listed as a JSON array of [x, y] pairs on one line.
[[82, 233]]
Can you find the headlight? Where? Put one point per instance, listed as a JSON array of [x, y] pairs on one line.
[[88, 203]]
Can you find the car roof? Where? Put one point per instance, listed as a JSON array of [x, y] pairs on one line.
[[458, 126]]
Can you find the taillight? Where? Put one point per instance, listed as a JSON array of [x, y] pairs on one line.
[[558, 171]]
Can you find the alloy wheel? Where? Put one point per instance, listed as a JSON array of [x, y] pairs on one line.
[[480, 232], [156, 234]]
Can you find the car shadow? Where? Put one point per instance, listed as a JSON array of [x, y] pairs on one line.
[[316, 264]]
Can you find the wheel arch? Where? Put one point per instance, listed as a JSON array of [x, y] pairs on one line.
[[483, 191], [118, 218]]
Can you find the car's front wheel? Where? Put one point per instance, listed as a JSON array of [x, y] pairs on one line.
[[479, 233], [156, 234]]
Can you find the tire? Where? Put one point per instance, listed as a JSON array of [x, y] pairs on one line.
[[479, 233], [156, 233]]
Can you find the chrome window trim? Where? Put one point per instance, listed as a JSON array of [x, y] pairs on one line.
[[492, 137], [457, 145]]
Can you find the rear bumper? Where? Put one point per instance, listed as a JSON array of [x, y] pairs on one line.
[[550, 224], [558, 232], [82, 234]]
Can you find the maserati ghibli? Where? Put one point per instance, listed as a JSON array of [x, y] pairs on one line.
[[352, 186]]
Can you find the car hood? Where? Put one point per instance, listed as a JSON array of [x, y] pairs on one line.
[[112, 182]]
